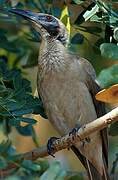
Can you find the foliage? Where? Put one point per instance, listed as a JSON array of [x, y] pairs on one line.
[[16, 100], [19, 44], [109, 76]]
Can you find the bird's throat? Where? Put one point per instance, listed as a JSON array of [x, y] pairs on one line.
[[51, 56]]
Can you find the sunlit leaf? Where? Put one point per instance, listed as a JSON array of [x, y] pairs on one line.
[[109, 95], [23, 124], [116, 33], [88, 14], [78, 1], [65, 15], [96, 18]]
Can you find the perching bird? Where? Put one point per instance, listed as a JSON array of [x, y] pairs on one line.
[[66, 84]]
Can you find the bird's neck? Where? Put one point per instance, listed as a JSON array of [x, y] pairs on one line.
[[51, 55]]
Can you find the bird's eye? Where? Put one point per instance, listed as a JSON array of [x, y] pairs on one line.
[[49, 18]]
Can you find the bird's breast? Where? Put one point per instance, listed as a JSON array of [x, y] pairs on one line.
[[52, 58]]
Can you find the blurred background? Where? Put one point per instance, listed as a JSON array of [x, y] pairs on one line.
[[93, 34]]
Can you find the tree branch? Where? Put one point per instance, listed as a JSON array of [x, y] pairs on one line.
[[68, 140]]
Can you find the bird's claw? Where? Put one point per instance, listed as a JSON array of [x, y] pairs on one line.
[[74, 131], [50, 146]]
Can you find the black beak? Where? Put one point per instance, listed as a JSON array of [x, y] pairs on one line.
[[26, 14], [38, 18]]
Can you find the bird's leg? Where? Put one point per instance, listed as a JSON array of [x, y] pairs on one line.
[[74, 132], [50, 146]]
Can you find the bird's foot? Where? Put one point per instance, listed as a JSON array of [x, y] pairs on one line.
[[50, 146], [74, 131]]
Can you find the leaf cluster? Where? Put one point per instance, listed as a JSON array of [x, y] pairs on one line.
[[16, 100], [40, 168]]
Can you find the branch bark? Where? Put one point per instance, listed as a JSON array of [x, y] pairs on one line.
[[68, 140]]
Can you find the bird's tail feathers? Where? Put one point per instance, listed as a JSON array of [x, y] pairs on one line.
[[93, 174]]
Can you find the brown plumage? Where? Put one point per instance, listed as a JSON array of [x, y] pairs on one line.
[[66, 84]]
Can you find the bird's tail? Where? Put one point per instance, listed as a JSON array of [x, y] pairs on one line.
[[93, 174]]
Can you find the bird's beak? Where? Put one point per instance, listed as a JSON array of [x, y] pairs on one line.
[[39, 20], [26, 14]]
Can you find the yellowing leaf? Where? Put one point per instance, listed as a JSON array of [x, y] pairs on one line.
[[23, 124], [109, 95], [65, 14]]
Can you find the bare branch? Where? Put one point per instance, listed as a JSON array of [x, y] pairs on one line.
[[68, 140]]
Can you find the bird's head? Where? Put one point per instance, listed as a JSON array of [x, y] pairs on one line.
[[46, 24]]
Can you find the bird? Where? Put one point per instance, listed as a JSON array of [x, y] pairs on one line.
[[67, 86]]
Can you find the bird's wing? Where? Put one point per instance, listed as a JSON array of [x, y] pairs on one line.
[[94, 88]]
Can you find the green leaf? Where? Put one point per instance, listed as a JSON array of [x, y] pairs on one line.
[[113, 131], [13, 178], [25, 131], [16, 121], [27, 120], [44, 163], [52, 172], [3, 163], [116, 34], [88, 14], [20, 112], [19, 5], [17, 81], [78, 1], [28, 164], [15, 105], [9, 46], [96, 18], [11, 150], [109, 50], [20, 94], [3, 68], [26, 85], [109, 76], [2, 89], [77, 39], [4, 146]]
